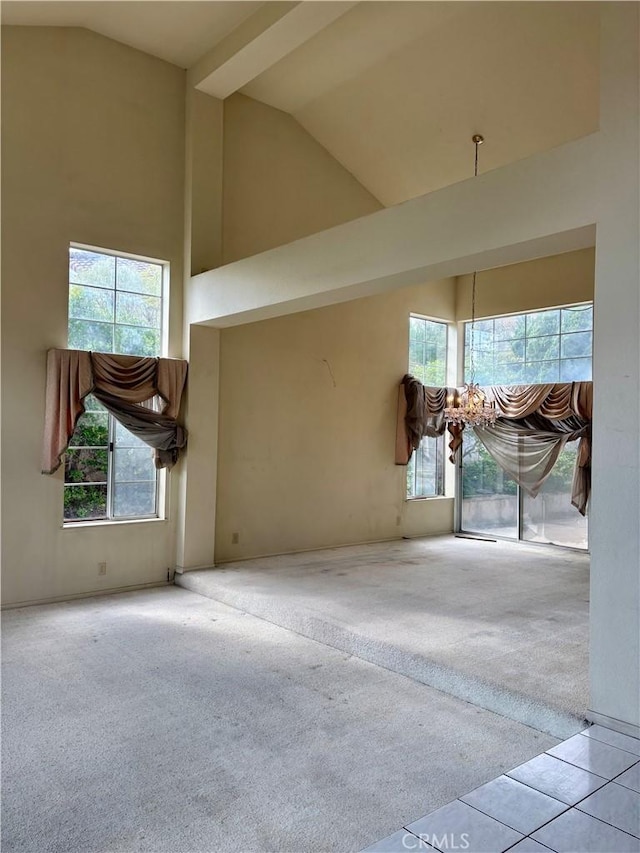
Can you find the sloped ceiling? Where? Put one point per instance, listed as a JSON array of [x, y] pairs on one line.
[[179, 32], [393, 90]]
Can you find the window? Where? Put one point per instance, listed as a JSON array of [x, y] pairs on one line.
[[541, 346], [115, 305], [428, 363]]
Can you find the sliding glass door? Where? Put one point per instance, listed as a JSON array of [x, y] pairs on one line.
[[489, 496], [541, 346], [492, 504], [550, 517]]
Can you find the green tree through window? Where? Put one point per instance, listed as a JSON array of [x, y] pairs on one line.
[[552, 345], [428, 363], [115, 305], [541, 346]]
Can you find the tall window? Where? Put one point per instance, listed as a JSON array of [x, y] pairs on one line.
[[541, 346], [428, 363], [115, 305]]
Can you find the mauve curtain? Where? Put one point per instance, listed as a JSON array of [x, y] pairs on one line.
[[533, 425], [157, 430], [126, 385], [421, 413], [131, 378], [528, 449], [69, 380]]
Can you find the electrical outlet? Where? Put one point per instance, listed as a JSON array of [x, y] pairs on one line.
[[235, 538], [102, 568]]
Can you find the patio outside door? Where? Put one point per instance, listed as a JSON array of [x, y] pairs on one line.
[[549, 345], [493, 505]]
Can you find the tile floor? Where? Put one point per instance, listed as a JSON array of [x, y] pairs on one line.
[[581, 796]]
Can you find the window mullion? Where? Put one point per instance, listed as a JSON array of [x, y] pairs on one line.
[[110, 466]]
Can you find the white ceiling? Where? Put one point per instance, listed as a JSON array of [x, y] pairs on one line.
[[393, 90], [360, 39], [179, 31]]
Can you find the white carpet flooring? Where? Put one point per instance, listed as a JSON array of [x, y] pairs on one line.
[[164, 721]]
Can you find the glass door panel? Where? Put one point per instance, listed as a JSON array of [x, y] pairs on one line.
[[550, 345], [489, 496], [550, 517]]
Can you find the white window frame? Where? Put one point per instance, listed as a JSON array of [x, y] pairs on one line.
[[161, 475], [461, 360], [447, 483], [560, 334]]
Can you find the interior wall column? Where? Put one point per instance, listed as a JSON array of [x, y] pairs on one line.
[[203, 184], [615, 508], [196, 499]]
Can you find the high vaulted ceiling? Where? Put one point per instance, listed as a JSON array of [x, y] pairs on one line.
[[393, 90], [177, 31]]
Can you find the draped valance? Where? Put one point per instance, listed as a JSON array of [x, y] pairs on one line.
[[534, 423], [142, 393]]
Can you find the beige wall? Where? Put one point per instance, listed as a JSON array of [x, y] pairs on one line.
[[304, 463], [92, 152], [204, 140], [307, 427], [279, 183], [542, 283]]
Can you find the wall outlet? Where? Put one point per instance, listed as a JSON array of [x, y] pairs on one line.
[[235, 538], [102, 568]]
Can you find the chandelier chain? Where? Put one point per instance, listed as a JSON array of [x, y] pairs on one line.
[[472, 351], [477, 141], [471, 408]]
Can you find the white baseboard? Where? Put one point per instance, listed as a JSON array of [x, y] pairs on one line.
[[60, 599], [181, 570], [614, 724]]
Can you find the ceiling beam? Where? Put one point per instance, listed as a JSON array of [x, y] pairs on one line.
[[274, 31], [544, 205]]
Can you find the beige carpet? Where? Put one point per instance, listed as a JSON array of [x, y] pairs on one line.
[[163, 721], [501, 625]]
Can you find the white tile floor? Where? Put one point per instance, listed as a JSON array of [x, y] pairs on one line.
[[582, 796]]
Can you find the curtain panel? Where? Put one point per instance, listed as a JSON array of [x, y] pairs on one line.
[[143, 394], [421, 413], [533, 425]]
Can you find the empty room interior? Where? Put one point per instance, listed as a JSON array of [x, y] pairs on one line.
[[320, 447]]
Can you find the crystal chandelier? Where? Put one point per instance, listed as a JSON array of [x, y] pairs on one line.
[[471, 407]]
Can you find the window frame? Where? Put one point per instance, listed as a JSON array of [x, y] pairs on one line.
[[461, 373], [164, 294], [559, 335], [441, 468], [111, 447]]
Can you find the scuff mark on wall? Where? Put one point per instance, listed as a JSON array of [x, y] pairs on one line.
[[333, 379]]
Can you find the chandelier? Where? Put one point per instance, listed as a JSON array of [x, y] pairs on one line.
[[471, 407]]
